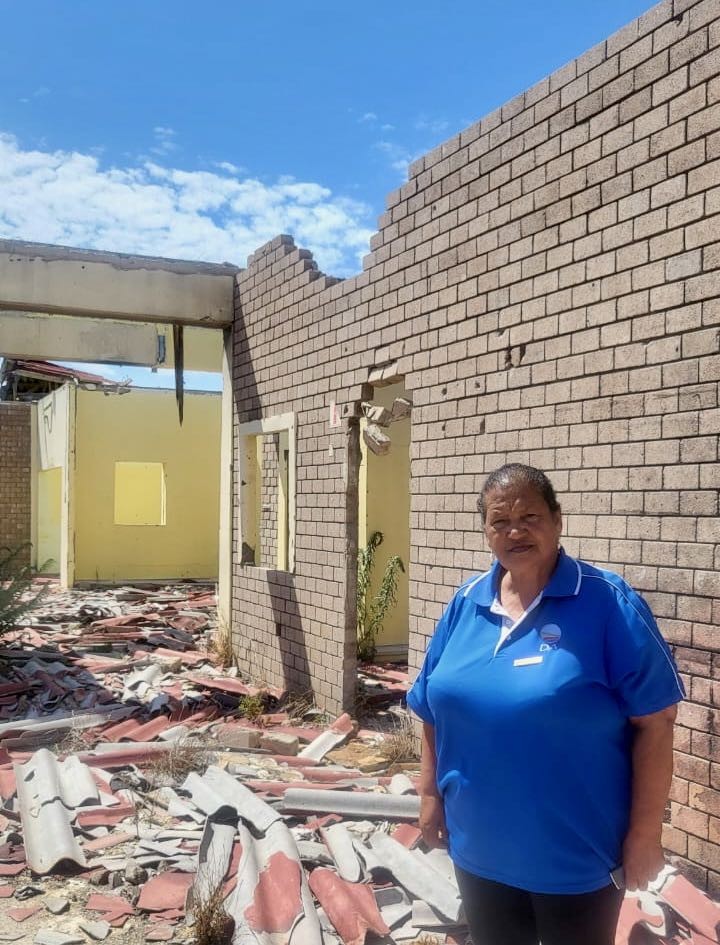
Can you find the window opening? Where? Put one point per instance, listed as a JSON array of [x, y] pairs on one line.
[[267, 496]]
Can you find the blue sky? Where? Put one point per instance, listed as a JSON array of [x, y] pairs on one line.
[[201, 130]]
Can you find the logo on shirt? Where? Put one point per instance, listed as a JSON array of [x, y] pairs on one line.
[[550, 635]]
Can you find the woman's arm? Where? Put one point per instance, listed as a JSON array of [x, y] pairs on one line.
[[652, 766], [432, 815]]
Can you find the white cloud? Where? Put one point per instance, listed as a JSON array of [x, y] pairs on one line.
[[229, 167], [164, 140], [368, 116], [435, 126], [398, 156], [70, 198]]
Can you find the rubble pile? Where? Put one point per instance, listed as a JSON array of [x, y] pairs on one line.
[[148, 794]]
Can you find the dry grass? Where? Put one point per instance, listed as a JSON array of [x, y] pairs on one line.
[[70, 741], [185, 755], [427, 938], [222, 646], [300, 703], [212, 925], [400, 744]]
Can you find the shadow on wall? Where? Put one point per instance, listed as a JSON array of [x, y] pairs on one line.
[[288, 629], [276, 632]]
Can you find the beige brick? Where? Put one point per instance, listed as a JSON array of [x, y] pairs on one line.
[[548, 285]]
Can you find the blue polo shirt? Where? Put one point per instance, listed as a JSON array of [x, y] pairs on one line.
[[533, 736]]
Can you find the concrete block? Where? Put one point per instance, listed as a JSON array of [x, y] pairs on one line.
[[376, 441], [280, 744], [237, 737]]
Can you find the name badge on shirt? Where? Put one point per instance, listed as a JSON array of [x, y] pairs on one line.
[[528, 661]]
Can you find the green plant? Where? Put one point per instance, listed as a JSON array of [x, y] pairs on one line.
[[372, 609], [17, 596], [251, 707]]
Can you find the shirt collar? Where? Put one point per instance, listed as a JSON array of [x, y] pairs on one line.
[[565, 581]]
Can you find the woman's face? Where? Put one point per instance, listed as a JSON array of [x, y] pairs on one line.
[[522, 532]]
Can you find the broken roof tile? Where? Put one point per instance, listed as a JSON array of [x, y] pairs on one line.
[[47, 831], [164, 891], [272, 896], [333, 736], [693, 905], [351, 907], [21, 915]]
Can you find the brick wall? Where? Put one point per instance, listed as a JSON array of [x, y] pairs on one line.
[[546, 285], [15, 497], [269, 500]]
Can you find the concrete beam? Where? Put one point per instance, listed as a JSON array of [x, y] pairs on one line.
[[35, 277], [63, 338], [47, 337]]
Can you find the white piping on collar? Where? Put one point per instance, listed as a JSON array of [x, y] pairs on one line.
[[580, 577], [472, 584], [481, 577]]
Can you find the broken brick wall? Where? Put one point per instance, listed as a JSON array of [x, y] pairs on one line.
[[546, 285], [15, 482]]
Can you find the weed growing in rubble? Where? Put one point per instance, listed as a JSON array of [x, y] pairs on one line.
[[251, 707], [212, 926], [222, 647], [172, 766], [70, 741], [300, 703], [372, 609], [400, 745], [16, 594]]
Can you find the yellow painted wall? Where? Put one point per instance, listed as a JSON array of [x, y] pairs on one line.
[[384, 491], [49, 518], [142, 427], [203, 348]]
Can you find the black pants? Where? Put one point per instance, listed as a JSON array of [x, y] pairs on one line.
[[503, 915]]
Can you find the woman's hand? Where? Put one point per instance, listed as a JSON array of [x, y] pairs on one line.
[[643, 859], [432, 821]]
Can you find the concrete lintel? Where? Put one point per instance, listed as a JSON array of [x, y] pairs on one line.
[[42, 278], [41, 336], [51, 337]]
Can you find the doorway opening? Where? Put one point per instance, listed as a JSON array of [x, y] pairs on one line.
[[384, 508]]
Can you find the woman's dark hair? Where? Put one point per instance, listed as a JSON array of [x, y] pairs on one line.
[[516, 474]]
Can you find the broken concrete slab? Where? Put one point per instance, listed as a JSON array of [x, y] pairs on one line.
[[56, 905], [50, 937], [98, 931]]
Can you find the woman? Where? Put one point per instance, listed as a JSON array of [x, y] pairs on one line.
[[548, 698]]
